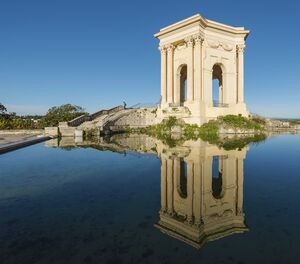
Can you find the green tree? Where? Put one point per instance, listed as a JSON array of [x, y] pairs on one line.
[[61, 113], [3, 110]]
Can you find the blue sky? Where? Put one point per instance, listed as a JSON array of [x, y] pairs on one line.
[[98, 53]]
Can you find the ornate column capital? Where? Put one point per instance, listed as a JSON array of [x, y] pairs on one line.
[[240, 48], [170, 47], [198, 39], [189, 41], [162, 49]]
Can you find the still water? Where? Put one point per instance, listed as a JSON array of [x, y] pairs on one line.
[[136, 200]]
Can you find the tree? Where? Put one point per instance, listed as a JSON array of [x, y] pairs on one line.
[[61, 113], [3, 110]]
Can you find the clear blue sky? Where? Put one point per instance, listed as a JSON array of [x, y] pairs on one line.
[[98, 53]]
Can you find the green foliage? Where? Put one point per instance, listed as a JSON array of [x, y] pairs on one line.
[[240, 142], [240, 122], [91, 133], [52, 118], [62, 113], [12, 121], [3, 109], [170, 122], [208, 132], [18, 123]]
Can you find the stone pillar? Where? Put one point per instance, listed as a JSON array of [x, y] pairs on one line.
[[170, 187], [177, 84], [198, 68], [190, 69], [163, 53], [240, 185], [190, 191], [197, 191], [163, 185], [170, 74], [240, 73]]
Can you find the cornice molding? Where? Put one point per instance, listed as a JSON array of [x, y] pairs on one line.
[[205, 23]]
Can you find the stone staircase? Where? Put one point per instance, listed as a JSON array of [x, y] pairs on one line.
[[101, 121]]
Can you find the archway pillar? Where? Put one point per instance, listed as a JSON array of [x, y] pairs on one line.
[[170, 70], [177, 86], [240, 185], [170, 186], [163, 184], [198, 68], [190, 189], [190, 69], [163, 53], [240, 73]]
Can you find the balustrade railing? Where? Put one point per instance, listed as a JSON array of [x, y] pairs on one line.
[[218, 104], [86, 117]]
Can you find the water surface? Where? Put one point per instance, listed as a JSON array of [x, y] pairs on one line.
[[136, 200]]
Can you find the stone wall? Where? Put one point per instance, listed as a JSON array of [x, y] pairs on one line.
[[139, 118], [51, 131]]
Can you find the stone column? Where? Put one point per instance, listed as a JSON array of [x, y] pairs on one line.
[[198, 68], [190, 69], [170, 74], [177, 84], [163, 184], [240, 185], [190, 190], [240, 73], [170, 187], [163, 92], [197, 192]]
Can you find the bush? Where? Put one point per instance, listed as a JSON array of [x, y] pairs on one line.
[[241, 122]]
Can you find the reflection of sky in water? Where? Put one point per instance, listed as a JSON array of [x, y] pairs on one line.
[[88, 206]]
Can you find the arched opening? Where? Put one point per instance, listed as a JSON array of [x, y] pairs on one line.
[[182, 83], [217, 79], [217, 173], [182, 184]]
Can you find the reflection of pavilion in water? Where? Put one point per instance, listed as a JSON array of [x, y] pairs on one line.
[[201, 193], [201, 185]]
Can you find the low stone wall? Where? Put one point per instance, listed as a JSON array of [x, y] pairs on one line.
[[67, 131], [51, 131]]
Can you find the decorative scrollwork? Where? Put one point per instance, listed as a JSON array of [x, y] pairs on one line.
[[163, 49], [198, 39], [189, 41], [240, 48]]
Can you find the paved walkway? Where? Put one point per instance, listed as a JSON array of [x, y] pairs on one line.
[[6, 139], [9, 142]]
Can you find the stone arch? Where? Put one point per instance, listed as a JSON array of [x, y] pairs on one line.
[[218, 81], [182, 83]]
